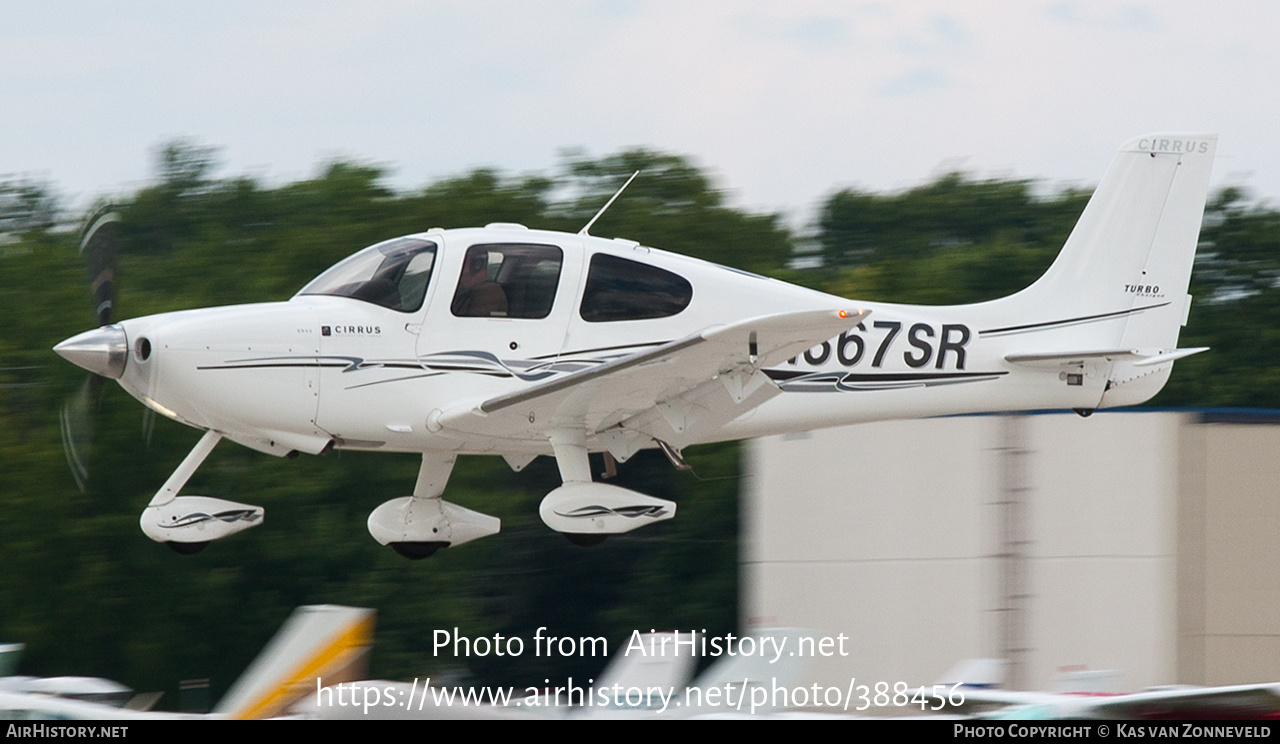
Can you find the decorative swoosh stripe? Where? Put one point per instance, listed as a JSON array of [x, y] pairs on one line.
[[394, 379], [838, 382], [534, 369], [628, 347], [485, 363], [1067, 322], [630, 512], [481, 363], [233, 515], [347, 363], [538, 369]]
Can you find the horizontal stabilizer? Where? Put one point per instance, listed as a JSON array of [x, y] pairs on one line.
[[1139, 357], [1169, 356]]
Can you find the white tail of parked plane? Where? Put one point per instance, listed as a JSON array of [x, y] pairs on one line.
[[318, 645]]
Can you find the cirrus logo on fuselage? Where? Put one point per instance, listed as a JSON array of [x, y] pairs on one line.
[[350, 330]]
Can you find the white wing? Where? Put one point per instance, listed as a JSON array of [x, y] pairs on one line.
[[678, 392]]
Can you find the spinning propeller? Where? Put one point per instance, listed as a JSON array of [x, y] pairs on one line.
[[102, 351]]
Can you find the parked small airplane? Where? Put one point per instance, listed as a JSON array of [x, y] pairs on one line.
[[318, 644], [650, 677], [517, 342], [1162, 703], [1174, 703], [974, 690]]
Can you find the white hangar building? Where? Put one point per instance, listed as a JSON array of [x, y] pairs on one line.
[[1146, 542]]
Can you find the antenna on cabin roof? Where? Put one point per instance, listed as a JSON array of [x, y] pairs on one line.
[[587, 226]]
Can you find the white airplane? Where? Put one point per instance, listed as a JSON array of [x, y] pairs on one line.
[[973, 689], [517, 342], [1177, 703]]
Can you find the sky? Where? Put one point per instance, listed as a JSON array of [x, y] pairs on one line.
[[782, 103]]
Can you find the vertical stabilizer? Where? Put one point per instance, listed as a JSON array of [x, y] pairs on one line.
[[661, 660], [1134, 245], [329, 643], [764, 681], [1118, 290]]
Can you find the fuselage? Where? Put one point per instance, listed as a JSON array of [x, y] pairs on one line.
[[356, 362]]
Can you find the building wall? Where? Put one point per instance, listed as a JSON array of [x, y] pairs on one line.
[[876, 533], [890, 533], [1104, 542], [1229, 553]]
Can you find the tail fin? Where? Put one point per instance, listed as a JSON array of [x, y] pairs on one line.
[[663, 665], [1128, 263], [983, 673], [780, 666], [318, 645], [1136, 240]]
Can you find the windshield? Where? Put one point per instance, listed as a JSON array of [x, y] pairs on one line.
[[393, 274]]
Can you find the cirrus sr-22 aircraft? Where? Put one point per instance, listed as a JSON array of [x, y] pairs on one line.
[[518, 342]]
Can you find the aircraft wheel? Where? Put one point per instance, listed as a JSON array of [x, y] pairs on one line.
[[416, 551], [585, 540], [186, 548]]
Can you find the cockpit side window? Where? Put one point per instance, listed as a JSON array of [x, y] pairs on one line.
[[622, 289], [508, 280], [393, 274]]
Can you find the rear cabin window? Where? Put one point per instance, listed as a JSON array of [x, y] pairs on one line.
[[622, 289], [508, 280]]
